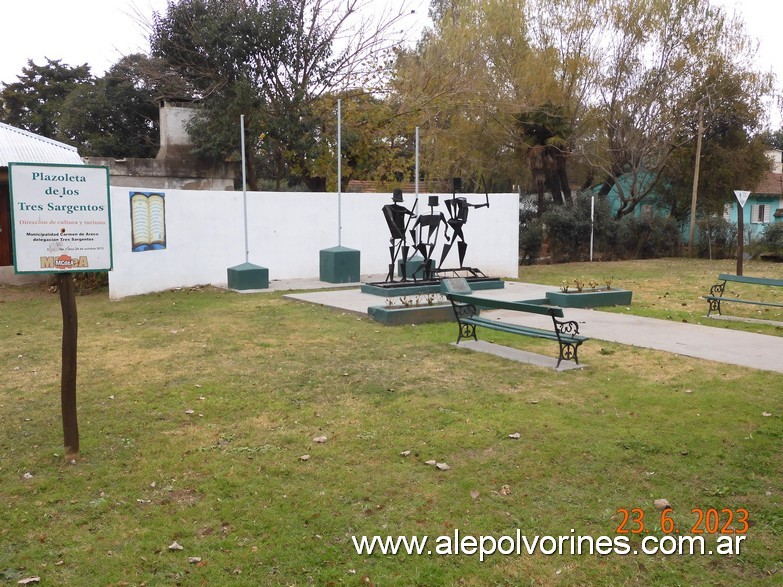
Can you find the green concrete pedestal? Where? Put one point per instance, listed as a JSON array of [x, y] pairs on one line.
[[340, 265], [411, 266], [248, 276]]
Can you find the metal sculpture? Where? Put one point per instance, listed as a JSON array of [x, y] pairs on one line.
[[395, 214], [426, 238], [458, 208]]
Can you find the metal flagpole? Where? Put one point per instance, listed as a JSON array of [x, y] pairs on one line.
[[339, 176], [244, 184], [592, 218], [416, 183]]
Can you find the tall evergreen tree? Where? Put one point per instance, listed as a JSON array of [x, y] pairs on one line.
[[35, 102]]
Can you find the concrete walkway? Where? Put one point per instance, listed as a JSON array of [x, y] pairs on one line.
[[733, 347]]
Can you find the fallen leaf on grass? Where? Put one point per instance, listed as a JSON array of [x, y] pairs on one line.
[[505, 490], [194, 560], [320, 439], [662, 504], [432, 463], [766, 414], [515, 436], [405, 453], [442, 466], [304, 458], [29, 581], [474, 495], [176, 546]]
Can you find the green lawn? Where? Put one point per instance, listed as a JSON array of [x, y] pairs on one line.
[[196, 407]]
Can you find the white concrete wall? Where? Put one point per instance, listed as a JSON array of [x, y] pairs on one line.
[[205, 236]]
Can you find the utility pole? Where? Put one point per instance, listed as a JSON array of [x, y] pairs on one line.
[[696, 179]]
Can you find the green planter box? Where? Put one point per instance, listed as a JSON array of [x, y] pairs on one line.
[[590, 299], [411, 315]]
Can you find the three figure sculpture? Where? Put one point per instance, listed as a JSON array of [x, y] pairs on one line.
[[425, 231]]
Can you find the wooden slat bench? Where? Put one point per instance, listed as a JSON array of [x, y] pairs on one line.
[[716, 296], [565, 332]]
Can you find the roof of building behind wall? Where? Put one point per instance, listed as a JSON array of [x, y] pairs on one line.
[[21, 146], [770, 185]]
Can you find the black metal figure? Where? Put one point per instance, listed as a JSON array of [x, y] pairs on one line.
[[425, 243], [395, 215], [458, 208]]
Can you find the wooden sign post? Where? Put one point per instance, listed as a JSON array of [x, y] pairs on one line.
[[61, 224], [68, 379]]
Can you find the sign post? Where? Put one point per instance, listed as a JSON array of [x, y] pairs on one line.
[[742, 197], [61, 224]]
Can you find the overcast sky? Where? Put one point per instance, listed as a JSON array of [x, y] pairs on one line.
[[99, 32]]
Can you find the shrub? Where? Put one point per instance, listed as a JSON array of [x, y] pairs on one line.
[[646, 238], [568, 228], [716, 238], [772, 238], [531, 238]]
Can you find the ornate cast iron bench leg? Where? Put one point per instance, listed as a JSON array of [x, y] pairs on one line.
[[568, 351], [466, 330], [717, 292]]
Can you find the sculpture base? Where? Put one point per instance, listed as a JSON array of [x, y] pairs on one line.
[[408, 288]]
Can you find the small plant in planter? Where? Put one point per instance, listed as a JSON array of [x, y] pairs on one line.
[[417, 302], [589, 295], [412, 310]]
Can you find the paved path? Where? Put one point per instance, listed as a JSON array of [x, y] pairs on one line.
[[720, 344]]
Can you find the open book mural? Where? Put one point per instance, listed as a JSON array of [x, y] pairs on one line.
[[148, 221]]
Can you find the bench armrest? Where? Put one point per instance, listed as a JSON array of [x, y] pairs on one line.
[[463, 310], [570, 327]]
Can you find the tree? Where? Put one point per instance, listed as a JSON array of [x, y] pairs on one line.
[[464, 84], [271, 60], [545, 133], [733, 153], [35, 102], [501, 88], [114, 116], [662, 57]]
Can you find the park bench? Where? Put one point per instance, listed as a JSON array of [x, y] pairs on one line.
[[565, 332], [716, 296]]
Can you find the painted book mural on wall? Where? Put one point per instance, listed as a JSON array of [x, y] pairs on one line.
[[148, 221]]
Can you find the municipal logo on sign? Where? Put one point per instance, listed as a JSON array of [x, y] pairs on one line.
[[742, 197]]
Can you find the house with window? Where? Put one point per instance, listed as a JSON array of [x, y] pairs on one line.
[[765, 202]]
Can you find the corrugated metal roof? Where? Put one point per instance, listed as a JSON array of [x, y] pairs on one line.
[[20, 146]]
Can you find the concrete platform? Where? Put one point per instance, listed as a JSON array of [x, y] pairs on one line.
[[733, 347], [482, 346]]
